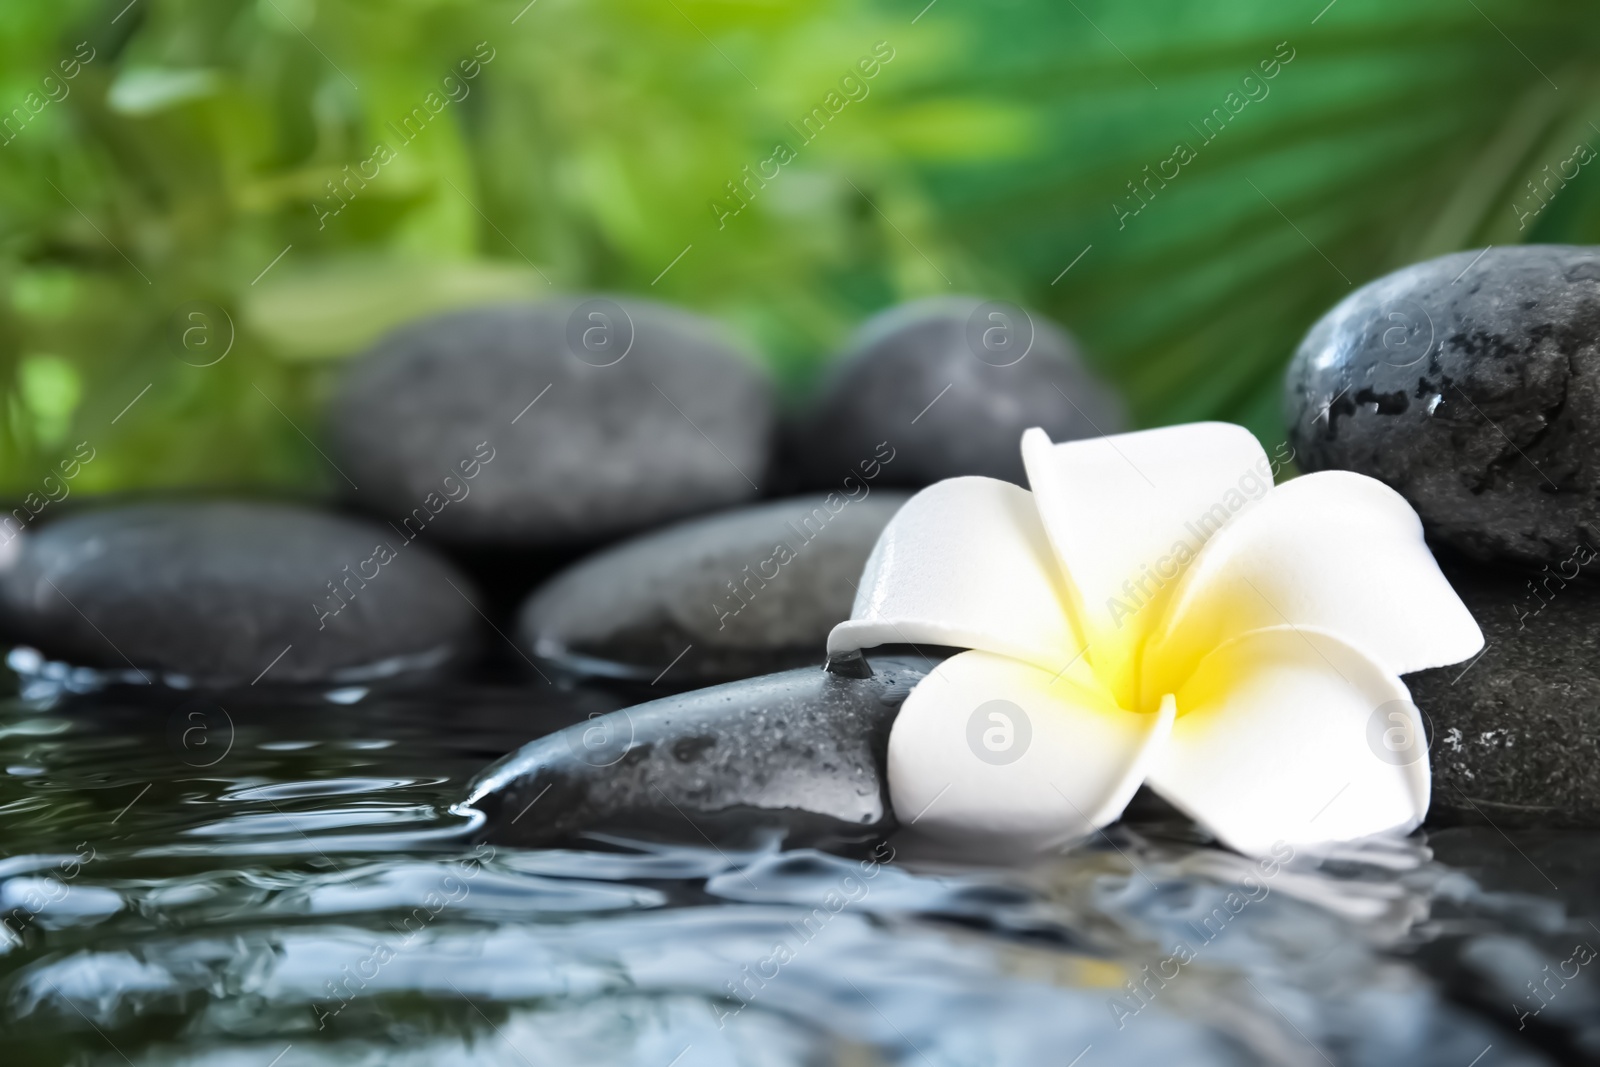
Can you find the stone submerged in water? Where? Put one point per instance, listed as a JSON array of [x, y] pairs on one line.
[[948, 384], [741, 593], [558, 422], [227, 592], [1471, 384], [802, 750], [1515, 734]]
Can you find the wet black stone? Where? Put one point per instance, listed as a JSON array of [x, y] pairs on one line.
[[801, 750], [1472, 386], [663, 602], [219, 591], [932, 352], [849, 665], [1515, 735], [641, 413]]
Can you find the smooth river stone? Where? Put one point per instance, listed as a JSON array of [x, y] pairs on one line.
[[1472, 386], [803, 750], [1515, 735], [692, 603], [562, 422], [946, 388], [225, 592]]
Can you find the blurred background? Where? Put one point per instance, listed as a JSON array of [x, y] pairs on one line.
[[176, 185]]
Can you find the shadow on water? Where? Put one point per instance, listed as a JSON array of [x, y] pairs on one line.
[[270, 879]]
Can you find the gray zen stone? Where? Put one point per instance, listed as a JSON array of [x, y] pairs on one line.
[[224, 592], [1515, 736], [946, 386], [745, 592], [803, 749], [1472, 386], [640, 413]]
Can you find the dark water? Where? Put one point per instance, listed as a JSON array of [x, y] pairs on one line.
[[271, 880]]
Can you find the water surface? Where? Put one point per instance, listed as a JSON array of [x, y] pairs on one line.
[[271, 879]]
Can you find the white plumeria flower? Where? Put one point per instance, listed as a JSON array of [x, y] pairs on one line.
[[1155, 611]]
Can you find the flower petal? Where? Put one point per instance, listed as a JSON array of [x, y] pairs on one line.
[[1334, 550], [1122, 511], [990, 748], [966, 563], [1292, 736]]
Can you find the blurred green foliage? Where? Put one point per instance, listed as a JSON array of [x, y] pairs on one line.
[[172, 200]]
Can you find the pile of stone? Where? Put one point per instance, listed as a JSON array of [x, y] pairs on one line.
[[709, 538], [693, 535]]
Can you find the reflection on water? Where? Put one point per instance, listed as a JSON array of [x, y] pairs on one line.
[[260, 879]]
